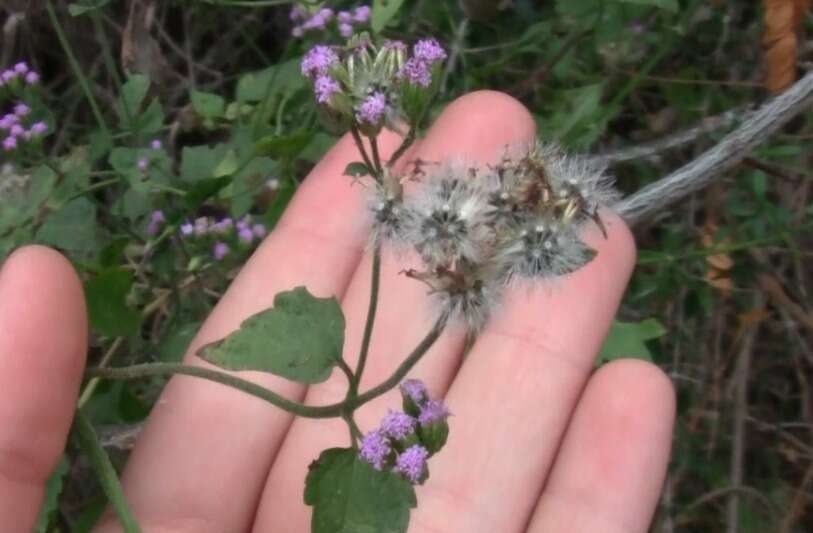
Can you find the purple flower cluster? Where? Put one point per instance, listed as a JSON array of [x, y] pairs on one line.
[[242, 231], [157, 220], [318, 21], [372, 109], [318, 60], [425, 54], [16, 128], [20, 71], [325, 87], [397, 443]]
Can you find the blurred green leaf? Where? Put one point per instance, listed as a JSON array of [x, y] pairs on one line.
[[50, 503], [85, 6], [130, 107], [106, 296], [72, 228], [208, 105], [669, 5], [628, 339], [199, 162], [350, 496], [22, 195], [284, 146], [301, 338], [175, 343], [383, 12], [284, 78]]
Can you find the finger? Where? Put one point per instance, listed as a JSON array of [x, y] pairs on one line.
[[203, 440], [514, 395], [475, 127], [43, 340], [609, 472]]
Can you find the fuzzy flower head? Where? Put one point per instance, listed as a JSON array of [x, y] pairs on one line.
[[318, 61], [433, 411], [417, 72], [372, 109], [325, 87], [411, 463], [220, 250], [398, 425], [415, 390], [428, 51], [375, 449], [449, 217]]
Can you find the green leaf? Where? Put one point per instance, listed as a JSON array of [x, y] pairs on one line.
[[131, 102], [174, 344], [628, 339], [350, 496], [106, 297], [203, 190], [669, 5], [22, 195], [300, 338], [356, 169], [53, 488], [199, 162], [283, 146], [383, 12], [228, 166], [72, 228], [85, 6], [125, 162], [284, 78], [208, 105]]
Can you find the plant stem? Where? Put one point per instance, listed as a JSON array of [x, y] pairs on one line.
[[360, 145], [376, 155], [76, 68], [105, 472], [408, 140], [401, 372], [162, 369], [375, 282]]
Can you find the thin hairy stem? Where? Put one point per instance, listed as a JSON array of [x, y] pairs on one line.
[[401, 372], [408, 140], [376, 155], [163, 369], [363, 151], [375, 282]]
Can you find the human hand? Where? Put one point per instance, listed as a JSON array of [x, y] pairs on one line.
[[537, 443]]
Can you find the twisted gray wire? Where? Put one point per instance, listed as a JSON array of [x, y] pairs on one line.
[[725, 155]]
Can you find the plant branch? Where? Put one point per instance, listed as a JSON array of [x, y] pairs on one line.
[[408, 140], [375, 282], [376, 155], [363, 151], [730, 152], [163, 369]]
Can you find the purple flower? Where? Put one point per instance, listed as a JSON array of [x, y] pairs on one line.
[[417, 72], [9, 143], [316, 22], [344, 17], [16, 130], [8, 75], [220, 250], [21, 68], [297, 13], [32, 78], [21, 110], [223, 225], [325, 87], [412, 463], [415, 390], [201, 226], [372, 109], [318, 61], [361, 14], [187, 228], [428, 50], [433, 411], [345, 30], [8, 121], [397, 425], [259, 230], [39, 128], [245, 235], [375, 447], [156, 221], [156, 144], [142, 164]]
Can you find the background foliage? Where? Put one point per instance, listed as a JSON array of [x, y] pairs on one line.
[[721, 294]]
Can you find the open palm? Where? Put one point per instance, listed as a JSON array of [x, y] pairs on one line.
[[538, 441]]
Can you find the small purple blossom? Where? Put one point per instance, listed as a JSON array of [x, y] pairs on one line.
[[8, 75], [142, 164], [259, 230], [156, 221], [415, 390], [223, 225], [417, 72], [8, 121], [39, 128], [372, 109], [345, 30], [187, 228], [156, 144], [297, 13], [344, 17], [245, 235], [361, 14], [32, 78], [17, 130], [220, 250], [325, 87], [375, 447], [398, 425], [9, 143], [318, 61], [428, 50], [21, 110], [433, 411], [412, 462], [21, 68]]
